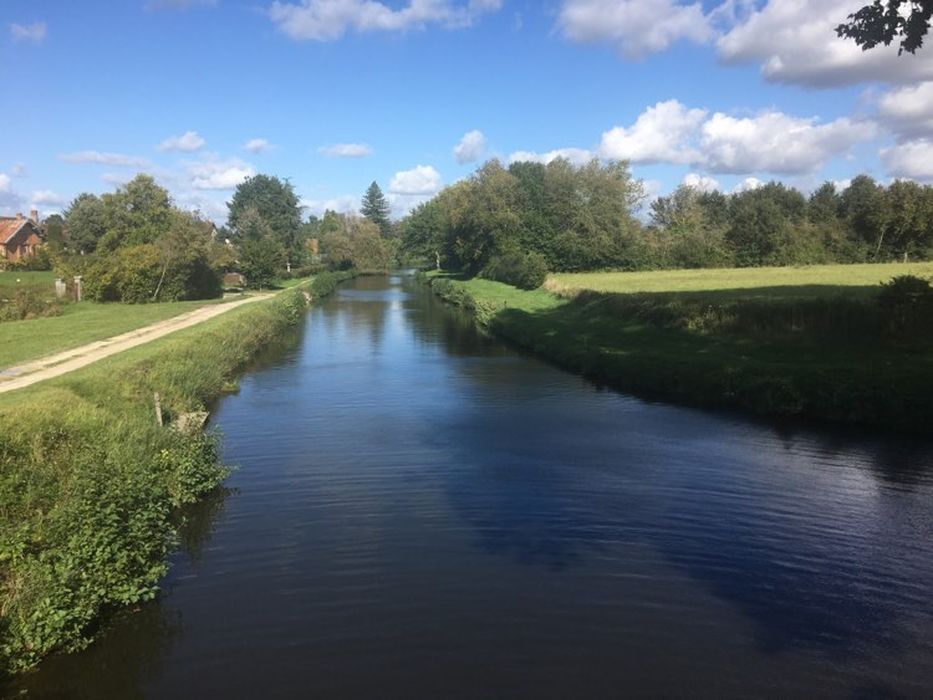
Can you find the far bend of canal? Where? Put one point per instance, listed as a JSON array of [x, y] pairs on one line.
[[421, 511]]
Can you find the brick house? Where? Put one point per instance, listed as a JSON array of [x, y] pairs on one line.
[[19, 237]]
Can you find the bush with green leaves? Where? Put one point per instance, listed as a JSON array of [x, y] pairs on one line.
[[147, 273], [28, 302], [522, 270], [906, 303]]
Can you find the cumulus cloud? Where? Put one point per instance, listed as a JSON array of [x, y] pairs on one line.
[[188, 142], [634, 27], [749, 183], [258, 146], [344, 204], [908, 111], [703, 183], [577, 156], [409, 188], [770, 141], [211, 207], [48, 198], [327, 20], [777, 142], [217, 174], [795, 42], [346, 150], [471, 147], [660, 134], [10, 200], [35, 32], [101, 158], [912, 159], [19, 170], [420, 180]]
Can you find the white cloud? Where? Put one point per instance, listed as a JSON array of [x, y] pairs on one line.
[[35, 32], [327, 20], [776, 142], [344, 204], [703, 183], [346, 150], [216, 174], [49, 199], [258, 146], [771, 141], [409, 188], [471, 147], [207, 206], [19, 170], [577, 156], [420, 180], [795, 42], [10, 201], [188, 142], [101, 158], [912, 159], [749, 183], [116, 179], [634, 27], [660, 134], [908, 111]]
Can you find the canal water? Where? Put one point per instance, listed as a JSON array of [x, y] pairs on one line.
[[421, 511]]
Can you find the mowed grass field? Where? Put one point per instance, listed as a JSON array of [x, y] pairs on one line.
[[11, 280], [80, 324], [750, 282]]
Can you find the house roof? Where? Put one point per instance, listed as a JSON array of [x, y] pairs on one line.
[[10, 226]]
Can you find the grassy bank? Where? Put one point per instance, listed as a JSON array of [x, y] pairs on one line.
[[90, 484], [831, 355]]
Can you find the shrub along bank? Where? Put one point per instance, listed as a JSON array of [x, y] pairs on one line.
[[858, 359], [90, 483]]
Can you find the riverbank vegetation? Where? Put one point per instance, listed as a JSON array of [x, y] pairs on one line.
[[852, 354], [90, 483], [581, 218]]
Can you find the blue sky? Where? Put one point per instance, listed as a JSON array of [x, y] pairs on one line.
[[334, 94]]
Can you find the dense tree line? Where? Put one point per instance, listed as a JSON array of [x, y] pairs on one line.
[[584, 218], [134, 245]]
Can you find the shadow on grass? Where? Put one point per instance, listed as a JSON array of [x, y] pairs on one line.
[[823, 359]]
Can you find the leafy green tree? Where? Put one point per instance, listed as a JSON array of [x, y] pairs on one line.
[[86, 223], [276, 202], [687, 238], [358, 244], [866, 212], [883, 21], [909, 223], [138, 212], [375, 207], [260, 260], [53, 230]]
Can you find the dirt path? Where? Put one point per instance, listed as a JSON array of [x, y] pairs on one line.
[[63, 362]]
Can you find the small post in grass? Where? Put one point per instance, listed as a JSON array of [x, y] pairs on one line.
[[158, 408]]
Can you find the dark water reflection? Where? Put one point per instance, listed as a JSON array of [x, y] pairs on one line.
[[421, 511]]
